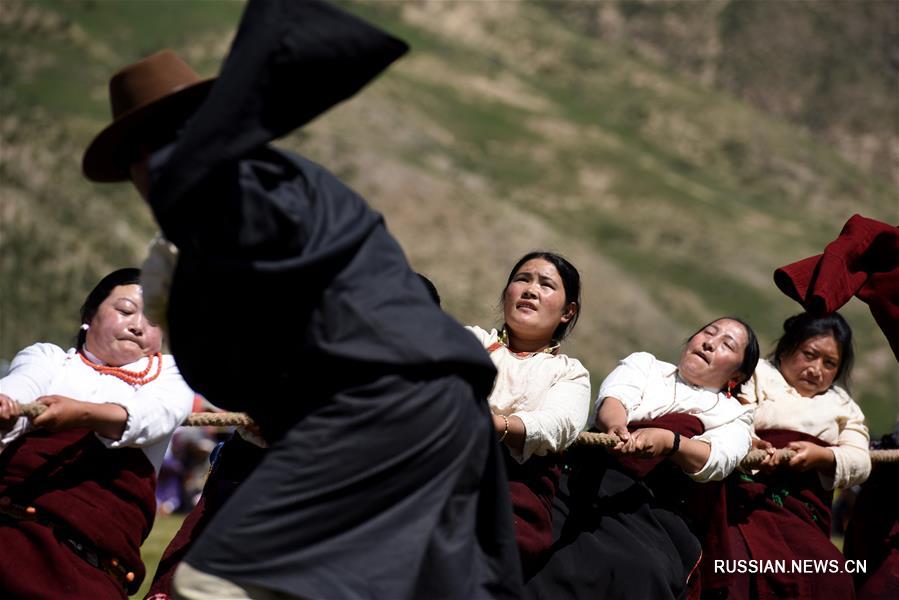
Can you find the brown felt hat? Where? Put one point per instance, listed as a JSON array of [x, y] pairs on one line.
[[153, 95]]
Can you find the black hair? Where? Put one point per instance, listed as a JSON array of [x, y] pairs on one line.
[[803, 326], [432, 289], [101, 291], [571, 281], [750, 354]]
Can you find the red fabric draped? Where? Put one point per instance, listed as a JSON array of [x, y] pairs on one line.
[[863, 262], [102, 496]]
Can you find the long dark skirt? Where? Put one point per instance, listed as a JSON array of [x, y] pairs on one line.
[[873, 534], [617, 533], [391, 489]]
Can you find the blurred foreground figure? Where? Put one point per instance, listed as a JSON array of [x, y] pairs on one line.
[[291, 301], [231, 463]]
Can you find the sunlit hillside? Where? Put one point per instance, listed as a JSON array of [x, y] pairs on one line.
[[649, 142]]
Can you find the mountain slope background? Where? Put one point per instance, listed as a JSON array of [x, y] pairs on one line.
[[676, 152]]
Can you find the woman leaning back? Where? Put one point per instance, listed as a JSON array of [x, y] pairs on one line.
[[77, 482], [783, 511], [541, 398], [621, 520]]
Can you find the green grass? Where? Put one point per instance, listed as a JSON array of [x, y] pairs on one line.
[[164, 529], [137, 27]]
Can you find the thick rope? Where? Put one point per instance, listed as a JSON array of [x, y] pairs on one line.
[[751, 461], [217, 419], [607, 440], [199, 419], [755, 457], [587, 438]]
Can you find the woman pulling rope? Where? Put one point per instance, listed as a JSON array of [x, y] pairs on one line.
[[77, 481]]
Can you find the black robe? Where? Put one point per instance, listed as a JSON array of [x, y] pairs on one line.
[[291, 301], [620, 526]]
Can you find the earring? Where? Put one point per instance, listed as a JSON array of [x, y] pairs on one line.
[[730, 388], [85, 326]]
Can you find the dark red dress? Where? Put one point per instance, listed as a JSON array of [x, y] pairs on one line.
[[73, 515], [783, 516], [532, 487]]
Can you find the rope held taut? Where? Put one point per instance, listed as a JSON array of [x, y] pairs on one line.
[[752, 460], [218, 419], [588, 438], [607, 440], [199, 419]]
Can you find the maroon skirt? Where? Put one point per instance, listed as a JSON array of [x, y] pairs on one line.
[[73, 515], [532, 487], [766, 533]]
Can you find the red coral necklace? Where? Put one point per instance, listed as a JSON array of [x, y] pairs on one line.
[[135, 378]]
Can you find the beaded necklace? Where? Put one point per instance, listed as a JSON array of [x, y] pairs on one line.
[[503, 341], [135, 378]]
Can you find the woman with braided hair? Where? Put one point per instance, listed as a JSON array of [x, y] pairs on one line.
[[77, 482]]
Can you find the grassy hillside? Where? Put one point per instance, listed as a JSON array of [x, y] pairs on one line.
[[510, 126], [829, 67]]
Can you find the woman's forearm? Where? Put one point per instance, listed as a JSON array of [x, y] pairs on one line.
[[108, 420], [511, 430], [691, 456], [63, 413], [611, 415]]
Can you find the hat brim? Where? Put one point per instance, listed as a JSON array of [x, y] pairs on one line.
[[106, 157]]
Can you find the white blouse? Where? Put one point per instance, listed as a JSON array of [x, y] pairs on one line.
[[155, 409], [832, 417], [649, 388], [549, 393]]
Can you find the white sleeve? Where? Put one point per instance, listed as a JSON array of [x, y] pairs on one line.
[[562, 416], [627, 382], [483, 336], [729, 443], [155, 410], [29, 377], [853, 461]]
